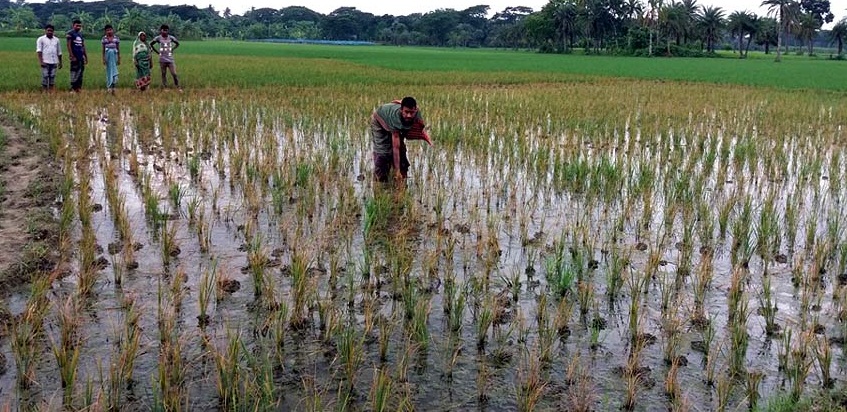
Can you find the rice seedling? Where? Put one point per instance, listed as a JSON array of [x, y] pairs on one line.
[[700, 285], [672, 388], [169, 383], [723, 390], [614, 274], [350, 353], [791, 217], [301, 289], [454, 305], [206, 290], [530, 385], [561, 273], [386, 327], [768, 237], [260, 392], [194, 167], [754, 379], [724, 213], [482, 382], [24, 334], [451, 351], [229, 373], [123, 362], [418, 327], [823, 355], [768, 307], [169, 246], [799, 367], [739, 340], [257, 259], [633, 375], [279, 320], [67, 349], [484, 321], [811, 233], [381, 390], [743, 244], [194, 208]]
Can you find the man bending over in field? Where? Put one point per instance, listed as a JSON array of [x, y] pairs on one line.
[[391, 124]]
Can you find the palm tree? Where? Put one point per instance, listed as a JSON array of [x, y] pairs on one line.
[[786, 12], [767, 34], [689, 7], [752, 30], [739, 24], [632, 9], [564, 16], [711, 22], [839, 33], [807, 28], [672, 20], [655, 5]]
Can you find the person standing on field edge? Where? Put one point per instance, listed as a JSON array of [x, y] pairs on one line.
[[49, 57], [77, 55], [111, 57], [391, 124], [167, 46]]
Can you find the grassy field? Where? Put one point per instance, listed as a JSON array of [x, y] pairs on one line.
[[213, 63], [585, 234]]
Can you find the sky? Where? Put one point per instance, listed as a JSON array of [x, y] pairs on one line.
[[405, 7]]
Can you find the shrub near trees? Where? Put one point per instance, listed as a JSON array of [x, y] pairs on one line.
[[633, 27]]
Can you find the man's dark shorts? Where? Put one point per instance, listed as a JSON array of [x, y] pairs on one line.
[[383, 163]]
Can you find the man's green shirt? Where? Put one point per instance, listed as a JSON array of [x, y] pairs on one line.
[[387, 119]]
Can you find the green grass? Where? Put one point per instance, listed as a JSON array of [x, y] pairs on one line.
[[254, 64]]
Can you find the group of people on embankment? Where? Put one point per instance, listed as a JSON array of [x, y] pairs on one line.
[[49, 51]]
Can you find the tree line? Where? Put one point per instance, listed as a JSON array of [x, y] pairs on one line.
[[631, 27]]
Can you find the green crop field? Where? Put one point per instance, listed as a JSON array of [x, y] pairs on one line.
[[253, 64]]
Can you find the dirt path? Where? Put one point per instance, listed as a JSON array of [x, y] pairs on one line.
[[27, 229]]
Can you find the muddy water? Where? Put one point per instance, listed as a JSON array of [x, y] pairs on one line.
[[486, 196]]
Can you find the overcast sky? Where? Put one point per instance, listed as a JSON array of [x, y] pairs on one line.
[[405, 7]]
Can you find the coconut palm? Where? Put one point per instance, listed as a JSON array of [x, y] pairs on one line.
[[807, 29], [672, 21], [786, 11], [564, 17], [767, 34], [838, 33], [738, 25], [711, 22], [689, 7]]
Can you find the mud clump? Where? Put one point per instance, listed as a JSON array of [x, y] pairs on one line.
[[229, 285]]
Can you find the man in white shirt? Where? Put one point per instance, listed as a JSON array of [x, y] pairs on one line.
[[49, 57]]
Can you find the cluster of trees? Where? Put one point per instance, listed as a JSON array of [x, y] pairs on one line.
[[639, 27]]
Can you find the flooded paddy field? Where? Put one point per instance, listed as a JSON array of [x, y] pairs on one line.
[[597, 245]]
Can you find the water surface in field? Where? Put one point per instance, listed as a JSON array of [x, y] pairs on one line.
[[483, 215]]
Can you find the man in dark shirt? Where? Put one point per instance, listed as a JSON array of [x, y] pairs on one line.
[[77, 55]]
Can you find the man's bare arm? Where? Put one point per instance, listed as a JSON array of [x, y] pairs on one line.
[[395, 148]]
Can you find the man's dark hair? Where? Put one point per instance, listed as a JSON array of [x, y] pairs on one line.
[[77, 21], [164, 27], [107, 27], [409, 102], [49, 26]]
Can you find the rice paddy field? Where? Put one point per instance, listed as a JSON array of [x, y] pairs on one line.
[[571, 241]]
